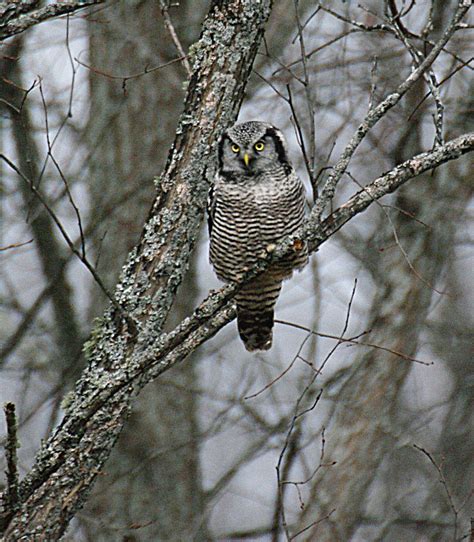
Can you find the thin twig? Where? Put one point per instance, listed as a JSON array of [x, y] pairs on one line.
[[320, 520], [398, 242], [174, 36], [15, 245], [58, 168], [301, 141], [125, 78], [284, 372], [65, 236], [463, 64], [309, 104], [354, 340], [429, 76], [291, 455], [444, 483]]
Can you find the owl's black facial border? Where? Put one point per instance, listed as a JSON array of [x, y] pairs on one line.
[[220, 149], [279, 145]]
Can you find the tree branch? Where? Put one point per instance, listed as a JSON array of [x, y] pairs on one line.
[[121, 360], [19, 16], [10, 497], [222, 61], [376, 113]]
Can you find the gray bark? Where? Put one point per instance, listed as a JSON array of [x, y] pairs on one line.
[[222, 60], [16, 17], [128, 347], [153, 477]]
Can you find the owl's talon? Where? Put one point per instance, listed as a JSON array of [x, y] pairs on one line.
[[298, 245], [270, 248]]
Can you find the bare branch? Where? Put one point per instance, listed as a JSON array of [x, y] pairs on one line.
[[19, 16], [443, 481], [375, 114], [174, 36], [15, 245]]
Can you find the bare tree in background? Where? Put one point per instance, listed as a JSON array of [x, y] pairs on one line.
[[366, 445]]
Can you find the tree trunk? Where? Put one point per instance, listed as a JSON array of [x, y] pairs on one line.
[[153, 478], [222, 62]]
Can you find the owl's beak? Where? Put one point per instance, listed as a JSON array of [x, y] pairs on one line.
[[246, 159]]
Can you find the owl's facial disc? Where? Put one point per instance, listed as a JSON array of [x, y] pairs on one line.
[[251, 148]]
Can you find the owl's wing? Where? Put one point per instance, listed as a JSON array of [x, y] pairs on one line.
[[211, 205]]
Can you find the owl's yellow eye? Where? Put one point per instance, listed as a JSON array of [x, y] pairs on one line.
[[235, 148], [259, 146]]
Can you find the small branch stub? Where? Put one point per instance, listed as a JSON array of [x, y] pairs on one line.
[[10, 497]]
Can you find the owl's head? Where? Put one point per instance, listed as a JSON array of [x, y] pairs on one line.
[[250, 148]]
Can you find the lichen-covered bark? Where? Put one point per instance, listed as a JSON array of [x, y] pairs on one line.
[[68, 463], [129, 133], [125, 353], [16, 17]]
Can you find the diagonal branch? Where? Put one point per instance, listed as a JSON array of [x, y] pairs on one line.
[[376, 113], [122, 360], [222, 61], [16, 17]]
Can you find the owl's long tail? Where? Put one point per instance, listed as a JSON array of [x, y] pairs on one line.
[[255, 304]]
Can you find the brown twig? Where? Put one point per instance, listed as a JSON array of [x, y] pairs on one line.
[[284, 372], [445, 485], [15, 245], [354, 340], [174, 36], [58, 167], [125, 78], [313, 474]]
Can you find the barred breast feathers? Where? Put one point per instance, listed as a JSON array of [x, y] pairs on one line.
[[247, 217]]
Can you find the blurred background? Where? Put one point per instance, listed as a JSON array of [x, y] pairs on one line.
[[332, 434]]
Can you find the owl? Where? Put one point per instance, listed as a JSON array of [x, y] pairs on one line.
[[255, 202]]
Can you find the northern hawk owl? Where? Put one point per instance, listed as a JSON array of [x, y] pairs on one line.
[[255, 202]]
